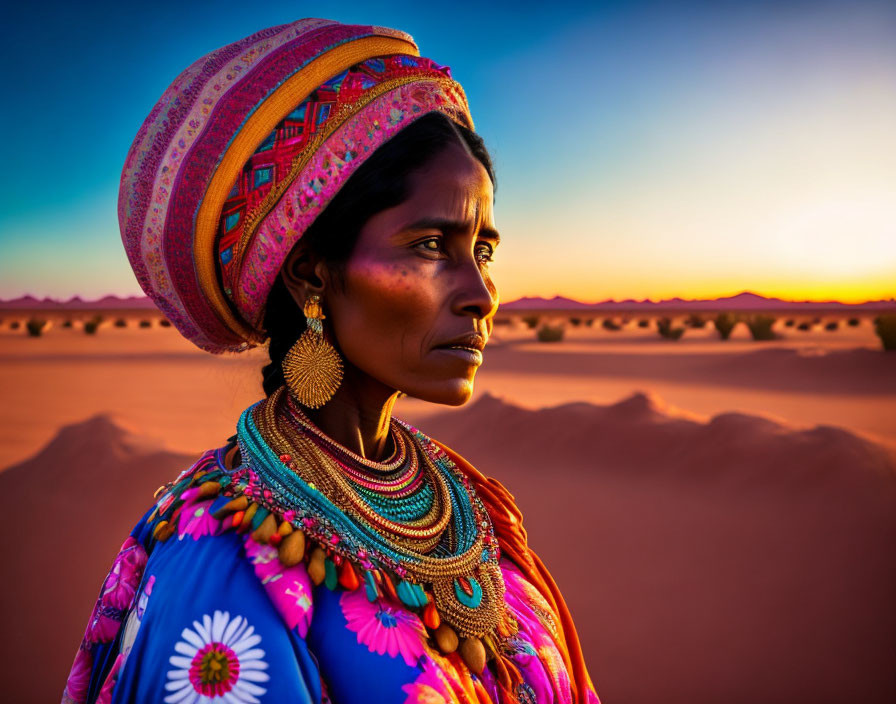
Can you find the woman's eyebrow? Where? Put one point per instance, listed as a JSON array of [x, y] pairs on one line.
[[452, 226]]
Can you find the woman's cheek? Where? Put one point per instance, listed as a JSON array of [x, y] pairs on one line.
[[385, 304]]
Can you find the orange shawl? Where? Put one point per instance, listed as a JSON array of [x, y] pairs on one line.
[[508, 522]]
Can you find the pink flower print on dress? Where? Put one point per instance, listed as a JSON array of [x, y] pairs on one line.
[[535, 649], [384, 627], [115, 599], [536, 676], [534, 614], [428, 688], [196, 521], [117, 593], [446, 678], [289, 588], [131, 627], [78, 678]]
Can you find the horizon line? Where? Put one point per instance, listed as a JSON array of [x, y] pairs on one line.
[[892, 298]]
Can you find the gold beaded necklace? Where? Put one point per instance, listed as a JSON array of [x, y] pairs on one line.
[[293, 490], [322, 471], [445, 561]]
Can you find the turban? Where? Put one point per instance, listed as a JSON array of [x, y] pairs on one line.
[[247, 147]]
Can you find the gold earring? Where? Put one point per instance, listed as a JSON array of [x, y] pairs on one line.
[[312, 367]]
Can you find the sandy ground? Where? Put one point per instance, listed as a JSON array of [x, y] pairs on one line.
[[154, 380], [724, 536]]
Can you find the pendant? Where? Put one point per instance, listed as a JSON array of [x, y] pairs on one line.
[[468, 591]]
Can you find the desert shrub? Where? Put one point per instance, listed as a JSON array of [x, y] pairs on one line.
[[761, 327], [695, 321], [725, 323], [665, 329], [885, 328], [610, 324], [804, 326], [575, 321], [165, 323], [853, 322], [148, 324], [549, 333], [67, 323], [531, 321], [789, 323], [121, 323], [643, 323], [35, 326], [92, 325], [15, 325], [833, 325], [589, 322]]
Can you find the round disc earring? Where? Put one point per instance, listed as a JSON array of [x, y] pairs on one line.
[[312, 367]]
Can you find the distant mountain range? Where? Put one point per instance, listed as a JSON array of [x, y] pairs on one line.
[[77, 303], [742, 301]]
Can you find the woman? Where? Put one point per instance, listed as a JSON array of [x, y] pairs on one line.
[[320, 186]]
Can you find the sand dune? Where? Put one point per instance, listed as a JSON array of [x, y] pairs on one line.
[[70, 507], [734, 560], [815, 370], [157, 381]]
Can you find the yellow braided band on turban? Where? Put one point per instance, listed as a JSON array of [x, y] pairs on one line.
[[265, 118]]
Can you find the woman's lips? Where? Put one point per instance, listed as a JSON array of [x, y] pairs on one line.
[[468, 354]]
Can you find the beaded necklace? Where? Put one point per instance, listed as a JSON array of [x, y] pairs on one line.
[[299, 450], [411, 526]]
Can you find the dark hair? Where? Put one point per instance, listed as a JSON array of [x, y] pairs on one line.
[[381, 182]]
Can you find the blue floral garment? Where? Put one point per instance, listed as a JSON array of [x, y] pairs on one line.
[[211, 615]]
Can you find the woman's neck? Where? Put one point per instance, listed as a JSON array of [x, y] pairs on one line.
[[358, 416]]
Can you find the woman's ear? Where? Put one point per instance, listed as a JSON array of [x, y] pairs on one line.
[[303, 274]]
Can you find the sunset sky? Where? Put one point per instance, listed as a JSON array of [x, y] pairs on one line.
[[643, 150]]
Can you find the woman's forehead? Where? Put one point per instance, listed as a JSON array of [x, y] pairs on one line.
[[455, 186]]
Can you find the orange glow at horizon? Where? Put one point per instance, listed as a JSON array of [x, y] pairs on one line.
[[846, 293]]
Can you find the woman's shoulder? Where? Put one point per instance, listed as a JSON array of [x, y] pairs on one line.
[[203, 522], [190, 574]]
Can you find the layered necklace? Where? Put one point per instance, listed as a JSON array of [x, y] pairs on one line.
[[410, 527]]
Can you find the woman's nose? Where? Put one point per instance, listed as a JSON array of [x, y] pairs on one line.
[[475, 293]]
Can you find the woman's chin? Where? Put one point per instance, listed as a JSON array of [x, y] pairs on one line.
[[455, 392]]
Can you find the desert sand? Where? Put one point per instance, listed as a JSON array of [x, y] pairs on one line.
[[720, 516]]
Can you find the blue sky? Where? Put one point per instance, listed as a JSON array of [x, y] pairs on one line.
[[642, 149]]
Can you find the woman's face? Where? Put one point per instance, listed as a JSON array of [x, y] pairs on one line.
[[418, 282]]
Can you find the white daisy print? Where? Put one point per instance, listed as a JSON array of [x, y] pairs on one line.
[[217, 658]]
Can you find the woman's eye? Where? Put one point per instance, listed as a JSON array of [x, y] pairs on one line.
[[485, 252], [431, 241]]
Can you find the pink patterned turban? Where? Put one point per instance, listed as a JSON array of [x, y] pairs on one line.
[[246, 148]]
